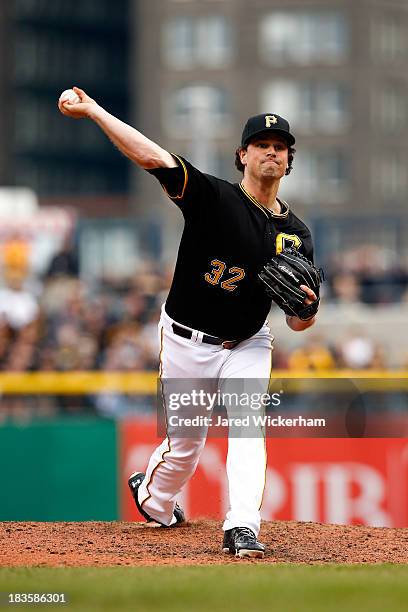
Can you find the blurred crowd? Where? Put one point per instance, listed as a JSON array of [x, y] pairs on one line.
[[355, 351], [367, 274], [63, 324], [60, 323]]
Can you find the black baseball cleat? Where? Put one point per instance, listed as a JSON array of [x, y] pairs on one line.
[[134, 482], [242, 542]]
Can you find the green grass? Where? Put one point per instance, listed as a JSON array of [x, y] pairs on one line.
[[241, 586]]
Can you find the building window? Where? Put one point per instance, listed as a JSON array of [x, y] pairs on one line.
[[389, 176], [86, 11], [199, 115], [320, 106], [209, 158], [42, 58], [389, 39], [108, 249], [304, 38], [318, 177], [38, 125], [199, 110], [389, 109], [204, 41]]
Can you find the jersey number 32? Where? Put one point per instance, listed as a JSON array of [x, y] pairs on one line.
[[219, 267]]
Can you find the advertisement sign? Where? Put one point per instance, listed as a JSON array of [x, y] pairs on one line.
[[343, 481]]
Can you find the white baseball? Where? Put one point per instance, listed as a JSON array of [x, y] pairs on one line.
[[69, 95]]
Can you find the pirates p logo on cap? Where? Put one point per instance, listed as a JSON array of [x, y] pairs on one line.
[[270, 120], [267, 122]]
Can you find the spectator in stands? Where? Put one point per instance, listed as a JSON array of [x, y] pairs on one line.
[[125, 352], [18, 307], [346, 288], [359, 352], [65, 261], [15, 257], [368, 274], [313, 355], [150, 339]]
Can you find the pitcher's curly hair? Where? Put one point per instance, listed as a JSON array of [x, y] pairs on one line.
[[240, 167]]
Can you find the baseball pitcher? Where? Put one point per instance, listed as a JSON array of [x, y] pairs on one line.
[[242, 247]]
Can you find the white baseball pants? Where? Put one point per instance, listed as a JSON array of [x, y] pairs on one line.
[[174, 462]]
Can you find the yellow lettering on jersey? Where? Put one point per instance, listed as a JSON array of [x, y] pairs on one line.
[[270, 120], [214, 276], [239, 274], [287, 240], [218, 270]]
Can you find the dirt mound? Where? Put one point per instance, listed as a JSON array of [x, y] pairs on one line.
[[196, 543]]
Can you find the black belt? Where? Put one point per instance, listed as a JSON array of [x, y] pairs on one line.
[[188, 333]]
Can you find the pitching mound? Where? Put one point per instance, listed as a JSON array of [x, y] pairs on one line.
[[196, 543]]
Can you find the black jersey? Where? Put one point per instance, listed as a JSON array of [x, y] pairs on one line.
[[227, 238]]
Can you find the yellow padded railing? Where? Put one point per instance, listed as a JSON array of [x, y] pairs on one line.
[[145, 383]]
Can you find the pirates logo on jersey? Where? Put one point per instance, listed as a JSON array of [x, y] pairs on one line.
[[287, 240]]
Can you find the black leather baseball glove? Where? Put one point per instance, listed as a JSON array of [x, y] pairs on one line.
[[282, 277]]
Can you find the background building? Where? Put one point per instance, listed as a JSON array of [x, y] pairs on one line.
[[334, 68], [47, 46]]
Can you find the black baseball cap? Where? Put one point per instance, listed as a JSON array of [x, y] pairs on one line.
[[268, 122]]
